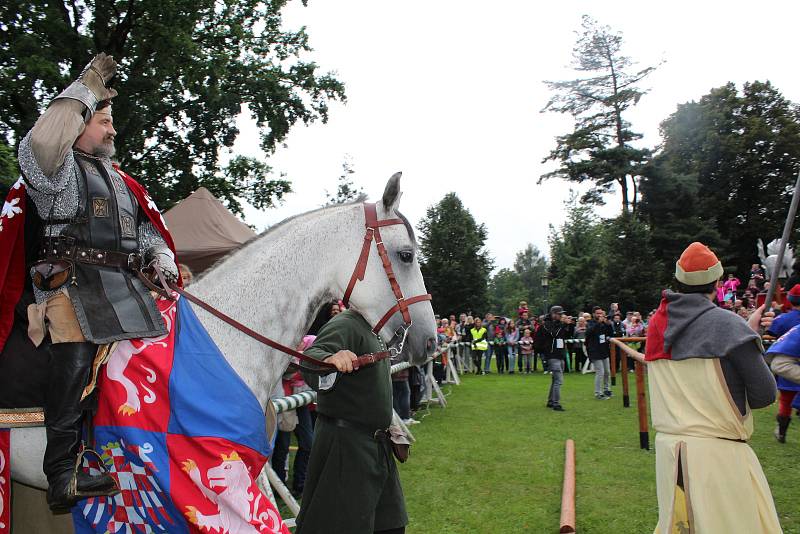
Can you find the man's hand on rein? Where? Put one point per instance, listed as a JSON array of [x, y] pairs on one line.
[[344, 360]]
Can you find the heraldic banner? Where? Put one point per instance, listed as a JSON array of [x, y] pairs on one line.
[[183, 435]]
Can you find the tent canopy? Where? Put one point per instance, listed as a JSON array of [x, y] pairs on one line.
[[204, 230]]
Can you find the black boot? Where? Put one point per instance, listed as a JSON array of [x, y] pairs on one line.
[[70, 367], [783, 425]]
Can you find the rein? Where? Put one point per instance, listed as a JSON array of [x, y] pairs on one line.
[[363, 360]]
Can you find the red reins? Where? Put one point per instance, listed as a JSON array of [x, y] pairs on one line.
[[362, 360], [373, 232]]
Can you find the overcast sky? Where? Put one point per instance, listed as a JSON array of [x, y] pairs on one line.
[[450, 93]]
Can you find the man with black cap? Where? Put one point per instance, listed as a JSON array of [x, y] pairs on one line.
[[553, 333], [706, 373]]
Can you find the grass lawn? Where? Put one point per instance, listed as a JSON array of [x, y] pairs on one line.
[[492, 461]]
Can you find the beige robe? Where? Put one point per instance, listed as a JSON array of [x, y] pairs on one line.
[[724, 487]]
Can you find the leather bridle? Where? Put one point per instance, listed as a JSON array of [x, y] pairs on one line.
[[373, 233]]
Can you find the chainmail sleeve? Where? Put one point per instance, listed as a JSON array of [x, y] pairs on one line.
[[149, 237], [44, 189]]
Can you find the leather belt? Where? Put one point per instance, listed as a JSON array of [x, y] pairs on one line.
[[380, 434], [64, 248]]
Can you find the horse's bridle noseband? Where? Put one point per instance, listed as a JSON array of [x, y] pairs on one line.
[[373, 232]]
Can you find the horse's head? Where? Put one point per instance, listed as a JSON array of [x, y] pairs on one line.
[[374, 297]]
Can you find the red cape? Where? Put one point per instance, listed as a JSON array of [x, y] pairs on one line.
[[13, 276]]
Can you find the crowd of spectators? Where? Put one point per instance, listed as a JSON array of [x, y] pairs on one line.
[[561, 342], [518, 344]]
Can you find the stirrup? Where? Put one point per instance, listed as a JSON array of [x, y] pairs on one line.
[[72, 486]]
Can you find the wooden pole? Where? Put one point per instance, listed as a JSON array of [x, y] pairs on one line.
[[787, 230], [641, 404], [613, 364], [626, 398], [568, 490]]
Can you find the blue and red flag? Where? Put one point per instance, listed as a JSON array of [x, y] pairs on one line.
[[183, 435]]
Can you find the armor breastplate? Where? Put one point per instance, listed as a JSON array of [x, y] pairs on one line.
[[106, 218]]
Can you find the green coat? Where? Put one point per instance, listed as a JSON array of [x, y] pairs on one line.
[[352, 485]]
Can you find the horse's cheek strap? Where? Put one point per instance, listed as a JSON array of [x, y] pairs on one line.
[[361, 266]]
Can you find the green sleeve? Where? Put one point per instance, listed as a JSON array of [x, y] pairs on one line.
[[333, 337]]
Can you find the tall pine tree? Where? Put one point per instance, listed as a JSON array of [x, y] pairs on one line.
[[453, 259], [599, 148]]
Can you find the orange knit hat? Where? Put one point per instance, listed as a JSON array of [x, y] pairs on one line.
[[698, 266]]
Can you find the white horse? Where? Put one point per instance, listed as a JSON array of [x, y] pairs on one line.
[[276, 284]]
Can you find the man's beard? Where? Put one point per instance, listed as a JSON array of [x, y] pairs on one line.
[[105, 150]]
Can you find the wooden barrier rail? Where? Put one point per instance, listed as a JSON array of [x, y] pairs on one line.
[[641, 398]]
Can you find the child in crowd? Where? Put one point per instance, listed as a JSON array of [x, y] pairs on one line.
[[526, 349], [512, 337], [500, 354], [730, 287], [523, 308]]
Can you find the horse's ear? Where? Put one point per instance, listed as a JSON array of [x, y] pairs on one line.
[[391, 195]]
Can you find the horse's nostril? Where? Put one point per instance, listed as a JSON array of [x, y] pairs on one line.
[[430, 344]]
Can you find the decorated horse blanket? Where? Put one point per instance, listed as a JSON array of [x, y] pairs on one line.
[[183, 435]]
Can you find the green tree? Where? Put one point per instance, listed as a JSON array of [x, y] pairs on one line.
[[744, 149], [346, 190], [9, 170], [574, 257], [673, 212], [530, 265], [626, 270], [187, 70], [453, 259], [506, 289], [599, 148]]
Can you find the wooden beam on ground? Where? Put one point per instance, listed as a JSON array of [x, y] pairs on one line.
[[568, 491]]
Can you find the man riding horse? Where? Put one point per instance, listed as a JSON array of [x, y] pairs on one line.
[[91, 232]]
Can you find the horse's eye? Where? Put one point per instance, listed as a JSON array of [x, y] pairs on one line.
[[406, 256]]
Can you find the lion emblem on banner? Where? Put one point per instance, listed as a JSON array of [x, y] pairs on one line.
[[237, 506], [121, 358]]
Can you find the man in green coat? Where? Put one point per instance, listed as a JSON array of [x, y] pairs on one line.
[[352, 486]]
